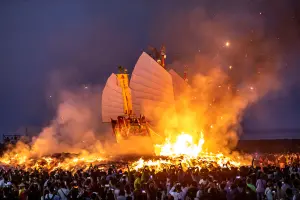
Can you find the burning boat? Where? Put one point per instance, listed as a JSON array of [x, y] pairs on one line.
[[132, 105]]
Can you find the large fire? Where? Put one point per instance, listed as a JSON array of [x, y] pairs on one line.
[[184, 151], [207, 122]]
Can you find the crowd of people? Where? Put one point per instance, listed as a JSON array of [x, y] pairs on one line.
[[266, 180]]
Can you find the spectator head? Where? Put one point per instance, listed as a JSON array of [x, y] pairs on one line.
[[118, 185], [46, 191], [194, 184], [178, 188], [138, 175], [122, 193], [269, 183], [51, 190], [22, 186], [94, 196], [286, 180], [296, 183], [249, 181], [292, 176], [222, 185], [279, 184], [233, 186], [138, 186], [151, 186]]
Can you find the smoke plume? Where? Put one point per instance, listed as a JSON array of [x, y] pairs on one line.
[[233, 62]]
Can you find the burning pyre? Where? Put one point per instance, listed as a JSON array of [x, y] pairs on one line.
[[183, 152]]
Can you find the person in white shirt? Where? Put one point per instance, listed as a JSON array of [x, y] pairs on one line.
[[2, 184], [285, 185], [199, 194], [63, 191], [51, 195], [260, 187], [203, 181], [117, 190], [178, 192], [268, 191], [121, 195]]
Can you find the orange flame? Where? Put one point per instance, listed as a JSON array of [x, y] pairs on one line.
[[183, 146]]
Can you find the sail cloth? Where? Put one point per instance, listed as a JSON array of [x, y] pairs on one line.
[[179, 85], [152, 89], [112, 99]]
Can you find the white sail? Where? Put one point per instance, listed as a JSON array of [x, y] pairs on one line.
[[179, 85], [112, 99], [151, 88]]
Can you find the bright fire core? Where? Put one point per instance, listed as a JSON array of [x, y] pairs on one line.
[[183, 146]]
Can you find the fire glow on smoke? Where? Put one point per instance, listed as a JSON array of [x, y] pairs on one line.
[[207, 124], [214, 111]]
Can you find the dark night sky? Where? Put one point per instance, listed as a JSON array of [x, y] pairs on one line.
[[45, 45]]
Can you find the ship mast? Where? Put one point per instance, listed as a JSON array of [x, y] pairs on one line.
[[159, 56], [122, 77], [163, 56]]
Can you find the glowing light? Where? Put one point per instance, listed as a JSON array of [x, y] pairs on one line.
[[227, 44], [251, 88], [230, 67], [184, 145]]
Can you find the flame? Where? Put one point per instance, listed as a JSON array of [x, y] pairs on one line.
[[184, 151], [71, 162], [184, 145], [188, 152]]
